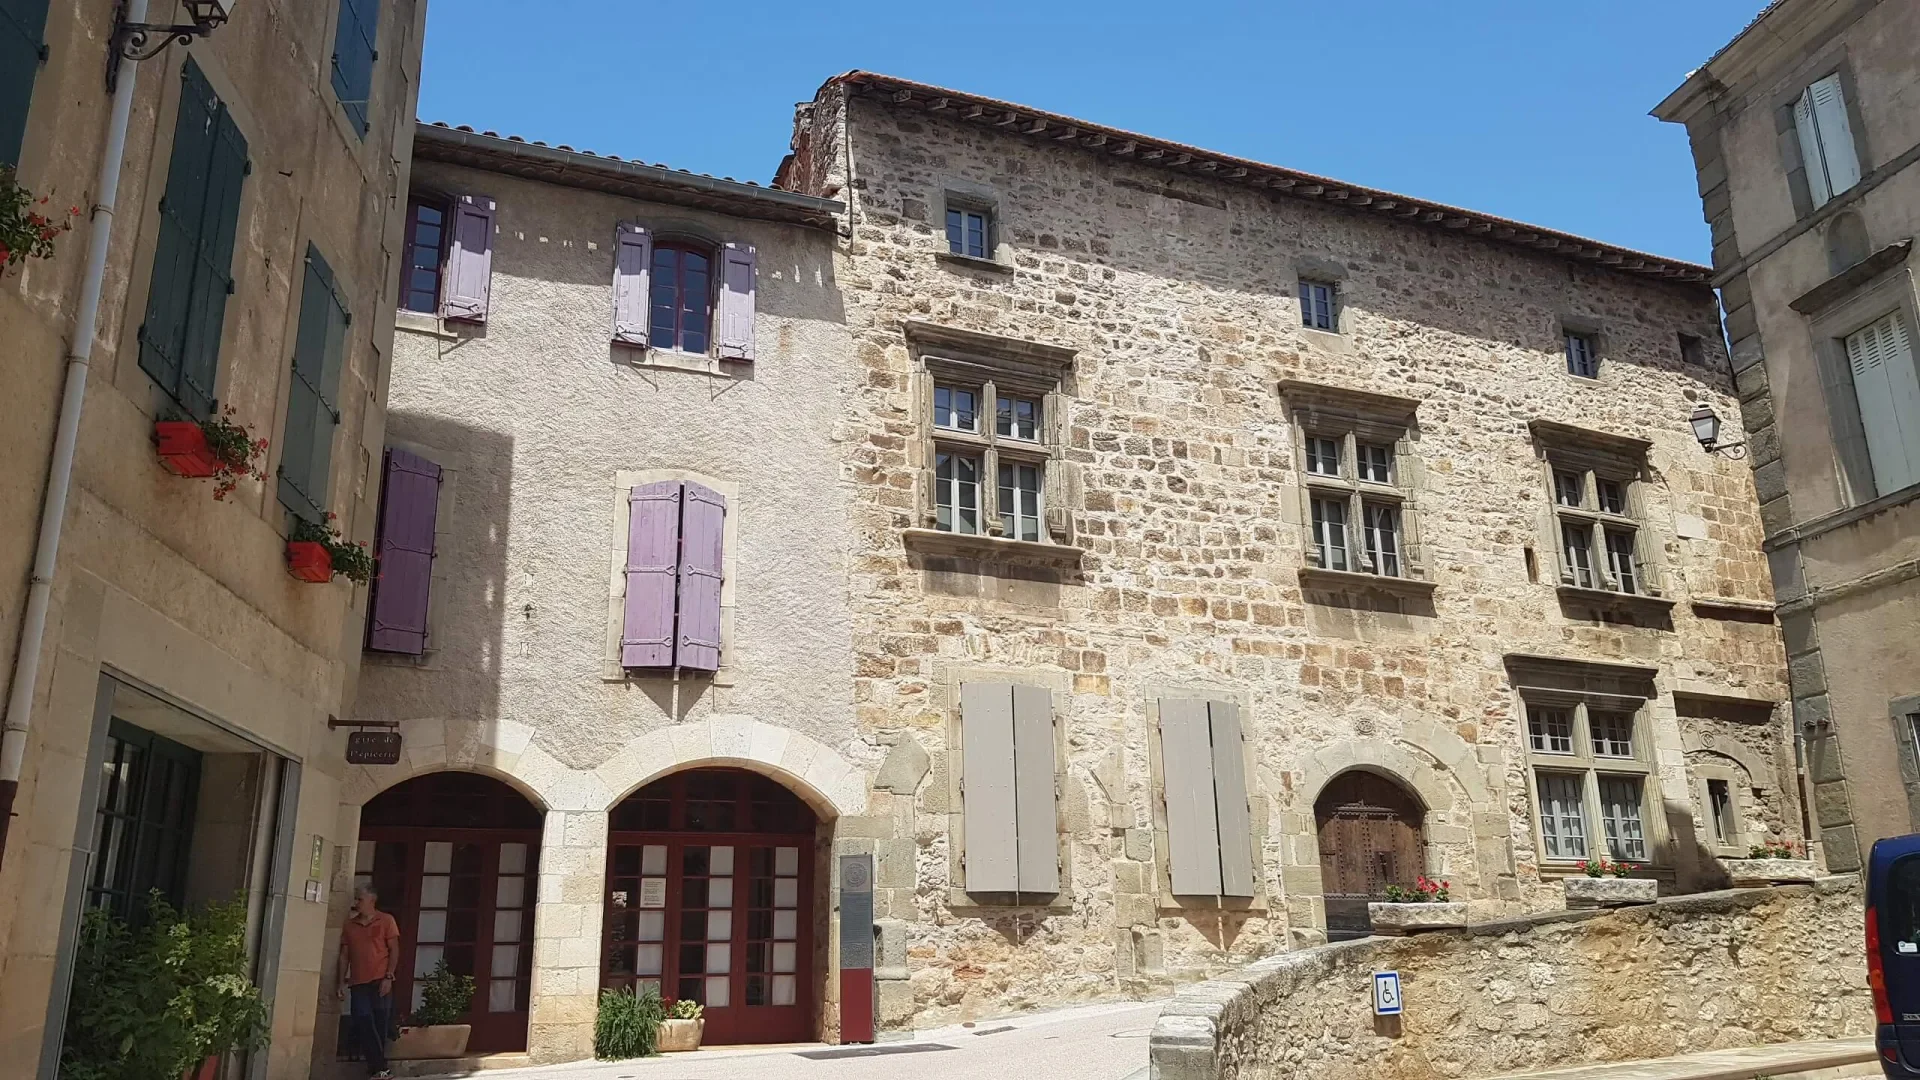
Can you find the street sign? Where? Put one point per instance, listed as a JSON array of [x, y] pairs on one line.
[[373, 748], [1386, 993]]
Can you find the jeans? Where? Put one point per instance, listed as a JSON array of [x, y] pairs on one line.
[[371, 1013]]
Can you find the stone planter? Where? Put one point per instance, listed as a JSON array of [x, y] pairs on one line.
[[679, 1035], [438, 1041], [1413, 918], [1589, 892], [1752, 873]]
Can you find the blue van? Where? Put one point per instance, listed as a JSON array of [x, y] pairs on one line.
[[1893, 952]]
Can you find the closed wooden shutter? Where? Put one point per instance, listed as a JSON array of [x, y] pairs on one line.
[[632, 256], [987, 787], [703, 517], [1887, 387], [1186, 761], [409, 510], [319, 353], [1231, 809], [353, 56], [22, 22], [469, 260], [653, 558], [193, 259], [737, 262], [1033, 790]]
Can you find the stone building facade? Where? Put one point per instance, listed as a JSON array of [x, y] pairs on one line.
[[1806, 142], [176, 732]]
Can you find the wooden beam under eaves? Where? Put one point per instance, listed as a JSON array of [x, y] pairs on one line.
[[936, 104], [1009, 119], [1124, 149], [1094, 141], [974, 112], [903, 95]]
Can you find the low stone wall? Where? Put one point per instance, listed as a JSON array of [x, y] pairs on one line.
[[1690, 973]]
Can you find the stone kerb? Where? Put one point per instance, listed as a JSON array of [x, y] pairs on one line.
[[1689, 973]]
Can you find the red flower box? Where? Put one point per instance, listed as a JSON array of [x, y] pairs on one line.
[[308, 560], [184, 450]]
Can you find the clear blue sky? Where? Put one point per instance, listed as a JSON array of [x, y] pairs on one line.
[[1532, 109]]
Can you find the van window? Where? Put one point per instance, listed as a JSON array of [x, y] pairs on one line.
[[1900, 916]]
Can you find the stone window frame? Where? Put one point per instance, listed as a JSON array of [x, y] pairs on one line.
[[949, 679], [1596, 339], [1580, 687], [1703, 776], [1597, 456], [1896, 290], [622, 483], [1164, 896], [1355, 418], [956, 193], [990, 364]]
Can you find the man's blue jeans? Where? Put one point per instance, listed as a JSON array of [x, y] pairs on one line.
[[370, 1012]]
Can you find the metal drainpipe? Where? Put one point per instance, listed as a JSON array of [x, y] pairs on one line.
[[53, 508]]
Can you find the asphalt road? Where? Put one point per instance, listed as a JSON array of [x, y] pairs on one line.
[[1098, 1042]]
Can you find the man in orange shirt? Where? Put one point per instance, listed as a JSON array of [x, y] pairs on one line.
[[369, 949]]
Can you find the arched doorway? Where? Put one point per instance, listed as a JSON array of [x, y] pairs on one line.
[[455, 858], [710, 898], [1369, 829]]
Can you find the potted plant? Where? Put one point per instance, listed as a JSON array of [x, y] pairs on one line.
[[1424, 906], [218, 447], [317, 552], [682, 1027], [434, 1030], [25, 232], [1609, 884], [165, 996], [1774, 862], [628, 1025]]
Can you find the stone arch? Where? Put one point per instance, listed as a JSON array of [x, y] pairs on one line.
[[363, 782], [1758, 770], [1321, 767], [828, 783]]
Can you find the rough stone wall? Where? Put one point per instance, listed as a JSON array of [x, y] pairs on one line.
[[1686, 974], [1178, 295]]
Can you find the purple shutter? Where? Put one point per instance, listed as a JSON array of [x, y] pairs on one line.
[[469, 260], [409, 505], [703, 543], [632, 255], [736, 302], [653, 547]]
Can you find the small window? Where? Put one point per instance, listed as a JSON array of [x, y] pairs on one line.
[[1563, 815], [1569, 488], [1726, 829], [1620, 560], [1376, 464], [1612, 733], [681, 289], [1582, 358], [1017, 418], [1316, 305], [1020, 501], [1323, 456], [1826, 140], [969, 232], [1613, 496], [1693, 351], [957, 493], [425, 256], [1330, 533], [1579, 553], [1550, 731], [956, 409]]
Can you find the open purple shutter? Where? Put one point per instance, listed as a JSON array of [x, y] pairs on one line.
[[653, 560], [736, 302], [632, 255], [703, 543], [469, 260], [409, 504]]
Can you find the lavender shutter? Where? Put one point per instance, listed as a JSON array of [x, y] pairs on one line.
[[469, 260], [409, 506], [702, 545], [653, 564], [736, 302], [632, 255]]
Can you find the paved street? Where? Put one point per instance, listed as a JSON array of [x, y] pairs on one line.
[[1100, 1042]]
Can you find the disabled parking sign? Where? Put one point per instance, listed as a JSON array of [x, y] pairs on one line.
[[1386, 993]]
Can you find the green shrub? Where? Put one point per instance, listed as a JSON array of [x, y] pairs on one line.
[[685, 1009], [628, 1025], [158, 999], [444, 997]]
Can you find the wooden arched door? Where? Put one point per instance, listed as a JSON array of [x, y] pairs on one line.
[[1369, 830]]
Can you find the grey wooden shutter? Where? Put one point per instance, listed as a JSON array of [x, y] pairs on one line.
[[1033, 789], [319, 354], [736, 301], [353, 56], [1186, 766], [469, 278], [1235, 824], [987, 787]]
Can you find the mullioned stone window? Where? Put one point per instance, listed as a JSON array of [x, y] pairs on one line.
[[1597, 520], [1358, 485]]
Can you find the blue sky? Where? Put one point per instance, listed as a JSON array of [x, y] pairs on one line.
[[1534, 110]]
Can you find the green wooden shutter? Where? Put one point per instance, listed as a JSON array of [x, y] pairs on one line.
[[353, 57], [22, 23], [319, 352], [193, 260]]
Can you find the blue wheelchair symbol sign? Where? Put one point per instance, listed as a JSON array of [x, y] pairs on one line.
[[1386, 993]]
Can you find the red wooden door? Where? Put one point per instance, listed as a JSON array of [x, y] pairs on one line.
[[700, 908], [1369, 829]]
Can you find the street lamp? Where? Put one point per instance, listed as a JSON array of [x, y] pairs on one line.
[[143, 41], [1706, 428]]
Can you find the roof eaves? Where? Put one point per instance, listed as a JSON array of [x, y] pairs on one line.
[[1196, 161]]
